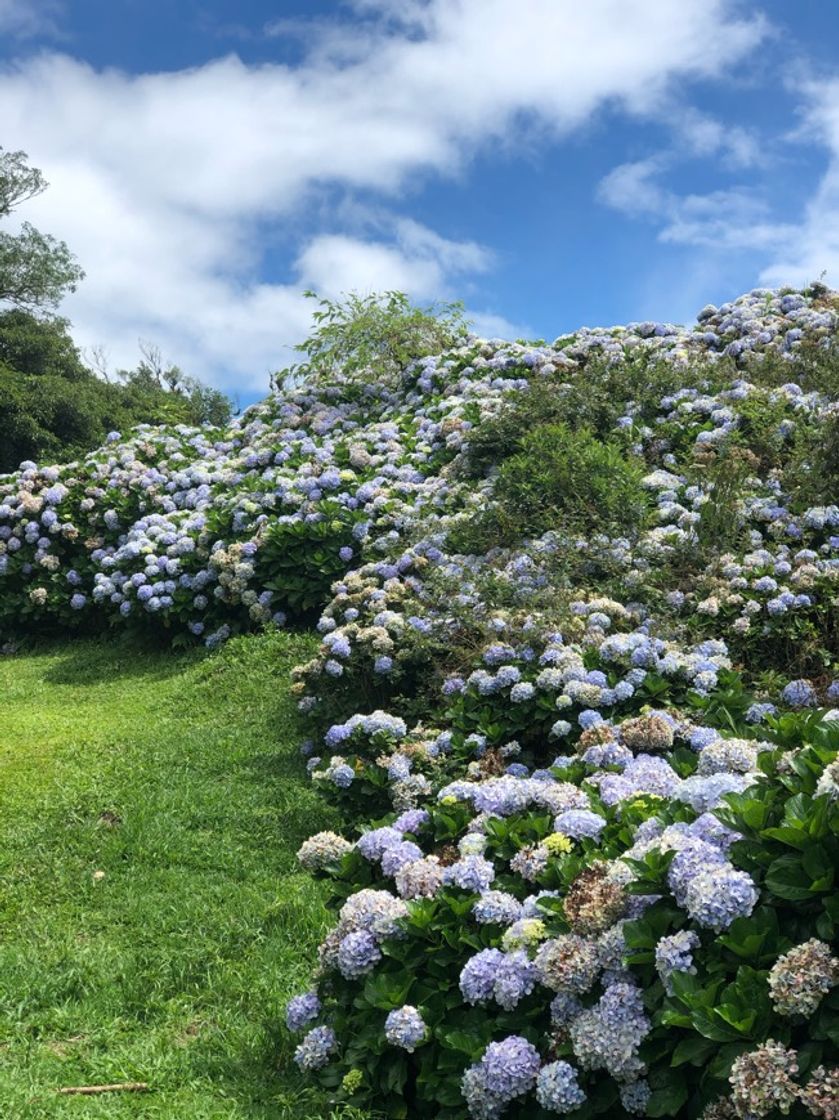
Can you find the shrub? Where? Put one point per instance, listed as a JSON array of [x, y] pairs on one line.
[[373, 338], [565, 479]]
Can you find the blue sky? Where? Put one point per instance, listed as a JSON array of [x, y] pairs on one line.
[[550, 163]]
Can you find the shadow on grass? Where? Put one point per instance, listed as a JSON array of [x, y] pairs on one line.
[[91, 661], [265, 1084]]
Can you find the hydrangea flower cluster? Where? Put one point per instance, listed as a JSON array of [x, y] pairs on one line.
[[507, 1069], [405, 1028], [801, 978]]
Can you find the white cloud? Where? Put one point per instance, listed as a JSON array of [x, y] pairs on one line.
[[702, 135], [418, 261], [25, 18], [488, 325], [812, 245], [631, 188], [723, 220], [799, 247], [167, 185]]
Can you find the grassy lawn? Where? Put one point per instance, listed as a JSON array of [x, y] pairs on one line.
[[152, 917]]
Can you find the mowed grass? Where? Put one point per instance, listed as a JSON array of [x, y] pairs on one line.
[[153, 920]]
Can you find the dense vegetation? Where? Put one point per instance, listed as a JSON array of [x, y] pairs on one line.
[[572, 701], [55, 407]]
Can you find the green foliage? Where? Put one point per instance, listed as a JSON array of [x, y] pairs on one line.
[[812, 476], [707, 1018], [814, 367], [52, 405], [597, 399], [299, 560], [721, 522], [36, 347], [55, 408], [790, 847], [47, 418], [561, 478], [192, 400], [371, 339], [36, 269]]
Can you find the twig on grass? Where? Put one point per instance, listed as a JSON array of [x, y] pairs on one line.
[[90, 1090]]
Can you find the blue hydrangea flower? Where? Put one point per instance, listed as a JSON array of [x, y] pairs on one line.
[[498, 907], [675, 954], [302, 1010], [315, 1049], [557, 1088], [799, 694], [579, 823], [405, 1028], [473, 873], [358, 954], [716, 898]]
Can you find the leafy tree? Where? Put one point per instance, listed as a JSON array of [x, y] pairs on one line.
[[39, 346], [373, 338], [201, 403], [53, 405], [36, 270]]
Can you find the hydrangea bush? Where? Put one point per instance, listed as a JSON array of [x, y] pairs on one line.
[[586, 755]]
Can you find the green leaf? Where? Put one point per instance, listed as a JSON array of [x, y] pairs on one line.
[[785, 877], [465, 1042], [694, 1050], [668, 1100]]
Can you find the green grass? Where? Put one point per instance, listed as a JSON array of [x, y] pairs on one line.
[[153, 920]]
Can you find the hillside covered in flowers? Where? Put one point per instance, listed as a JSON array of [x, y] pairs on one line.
[[574, 697]]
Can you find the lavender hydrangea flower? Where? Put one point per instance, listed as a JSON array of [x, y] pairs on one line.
[[374, 844], [395, 856], [477, 978], [515, 978], [412, 820], [302, 1010], [579, 823], [609, 1035], [315, 1049], [715, 899], [635, 1096], [498, 907], [675, 954], [557, 1088], [799, 694], [358, 954], [473, 873], [507, 1069], [405, 1028]]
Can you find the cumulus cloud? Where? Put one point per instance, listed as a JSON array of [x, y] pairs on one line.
[[169, 186], [418, 260], [812, 246], [737, 218], [742, 218]]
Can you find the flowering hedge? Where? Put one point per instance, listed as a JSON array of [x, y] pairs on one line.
[[587, 763], [591, 802]]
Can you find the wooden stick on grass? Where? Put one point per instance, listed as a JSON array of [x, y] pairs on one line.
[[90, 1090]]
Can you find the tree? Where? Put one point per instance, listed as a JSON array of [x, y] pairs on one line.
[[37, 347], [55, 408], [199, 403], [36, 270], [373, 337]]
